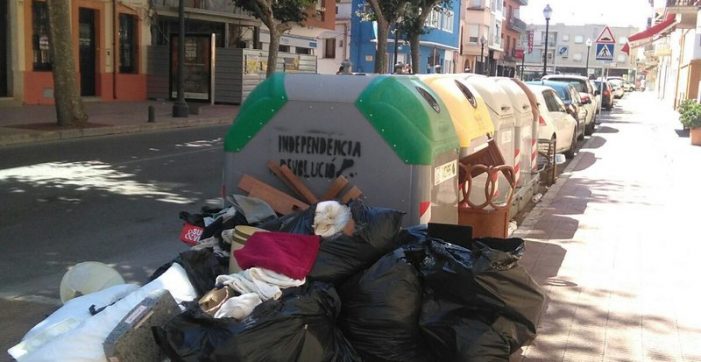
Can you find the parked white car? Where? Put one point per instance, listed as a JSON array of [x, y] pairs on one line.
[[554, 120], [617, 85], [587, 95]]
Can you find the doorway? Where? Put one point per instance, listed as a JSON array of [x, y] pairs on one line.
[[4, 48], [87, 52]]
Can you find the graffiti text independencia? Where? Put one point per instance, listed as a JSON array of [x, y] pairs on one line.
[[318, 157]]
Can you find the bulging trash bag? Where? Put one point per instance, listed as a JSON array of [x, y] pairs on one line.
[[202, 268], [380, 311], [456, 333], [489, 279], [342, 256], [298, 327], [297, 223]]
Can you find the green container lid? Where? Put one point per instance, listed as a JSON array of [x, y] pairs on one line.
[[410, 117], [406, 113]]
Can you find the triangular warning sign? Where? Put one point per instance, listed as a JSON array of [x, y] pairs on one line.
[[606, 37], [604, 53]]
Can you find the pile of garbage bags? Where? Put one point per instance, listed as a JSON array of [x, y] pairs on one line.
[[342, 283]]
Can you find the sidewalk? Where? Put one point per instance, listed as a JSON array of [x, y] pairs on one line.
[[27, 124], [615, 242]]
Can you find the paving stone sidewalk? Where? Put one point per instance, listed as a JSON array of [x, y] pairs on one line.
[[616, 244], [27, 124]]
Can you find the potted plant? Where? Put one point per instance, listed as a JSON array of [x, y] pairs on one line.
[[690, 117]]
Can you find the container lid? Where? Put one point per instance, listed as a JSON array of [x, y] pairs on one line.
[[519, 100], [467, 109], [494, 96], [408, 115]]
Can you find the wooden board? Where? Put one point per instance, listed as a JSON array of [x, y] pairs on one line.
[[336, 187], [281, 202], [298, 185], [352, 194]]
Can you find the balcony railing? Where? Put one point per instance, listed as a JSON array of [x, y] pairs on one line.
[[219, 6], [683, 3], [517, 24], [523, 2]]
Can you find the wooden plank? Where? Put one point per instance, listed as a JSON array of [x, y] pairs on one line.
[[298, 185], [336, 187], [275, 169], [352, 194], [281, 202]]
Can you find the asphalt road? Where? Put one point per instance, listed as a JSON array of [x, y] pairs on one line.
[[110, 199]]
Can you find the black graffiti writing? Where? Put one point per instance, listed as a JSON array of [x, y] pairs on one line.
[[314, 145], [318, 169]]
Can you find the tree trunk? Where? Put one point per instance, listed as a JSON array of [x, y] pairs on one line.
[[381, 54], [415, 52], [69, 106], [273, 49]]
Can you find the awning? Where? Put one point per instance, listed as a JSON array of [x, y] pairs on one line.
[[648, 35]]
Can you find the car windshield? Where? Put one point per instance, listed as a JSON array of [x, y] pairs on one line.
[[616, 82]]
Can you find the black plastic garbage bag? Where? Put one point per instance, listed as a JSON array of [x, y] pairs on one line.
[[202, 268], [301, 222], [455, 333], [342, 256], [487, 279], [298, 327], [380, 311]]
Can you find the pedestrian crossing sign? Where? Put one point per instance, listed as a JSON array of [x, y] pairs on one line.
[[604, 51]]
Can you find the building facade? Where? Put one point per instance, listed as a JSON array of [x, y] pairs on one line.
[[569, 51], [109, 49], [513, 30], [439, 48], [673, 53], [119, 46], [491, 30], [335, 45]]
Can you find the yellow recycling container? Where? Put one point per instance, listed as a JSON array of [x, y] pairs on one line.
[[469, 113]]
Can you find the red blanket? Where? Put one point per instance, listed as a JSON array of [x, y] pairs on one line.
[[290, 254]]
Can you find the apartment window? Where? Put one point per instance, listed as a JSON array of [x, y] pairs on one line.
[[565, 38], [330, 48], [577, 56], [497, 35], [551, 38], [434, 19], [476, 3], [447, 21], [40, 35], [299, 50], [473, 33], [284, 48], [579, 39], [127, 43]]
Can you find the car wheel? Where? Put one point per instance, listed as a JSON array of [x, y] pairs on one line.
[[569, 154]]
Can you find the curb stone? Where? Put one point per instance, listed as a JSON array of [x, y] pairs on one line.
[[47, 136]]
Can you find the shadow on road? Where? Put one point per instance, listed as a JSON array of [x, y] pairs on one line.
[[682, 133], [607, 129], [594, 142]]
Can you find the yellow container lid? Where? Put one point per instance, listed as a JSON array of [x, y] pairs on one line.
[[466, 107]]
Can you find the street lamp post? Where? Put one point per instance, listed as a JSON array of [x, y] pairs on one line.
[[482, 42], [588, 51], [180, 108], [547, 12]]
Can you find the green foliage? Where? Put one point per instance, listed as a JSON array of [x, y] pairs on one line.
[[690, 114], [284, 11]]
